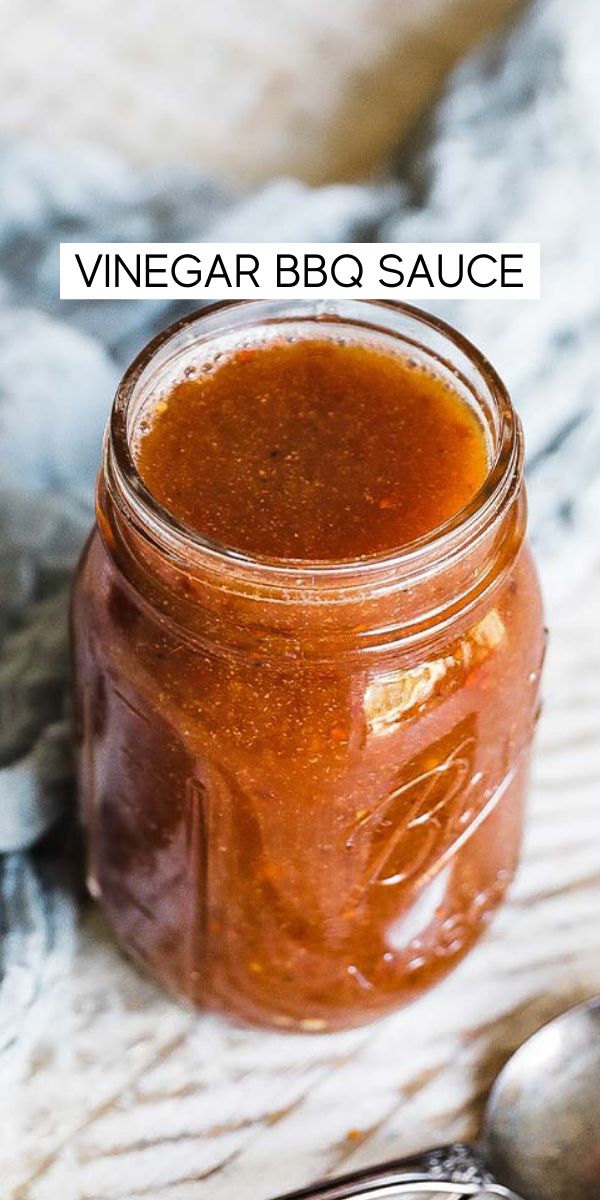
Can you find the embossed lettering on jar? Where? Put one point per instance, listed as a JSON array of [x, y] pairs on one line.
[[302, 779]]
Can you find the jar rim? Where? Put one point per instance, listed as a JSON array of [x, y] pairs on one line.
[[159, 526]]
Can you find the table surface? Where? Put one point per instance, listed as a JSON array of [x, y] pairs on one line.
[[135, 78], [111, 1091]]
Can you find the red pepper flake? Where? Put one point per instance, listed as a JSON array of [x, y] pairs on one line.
[[354, 1135], [339, 734]]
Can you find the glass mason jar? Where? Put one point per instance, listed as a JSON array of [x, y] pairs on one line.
[[302, 783]]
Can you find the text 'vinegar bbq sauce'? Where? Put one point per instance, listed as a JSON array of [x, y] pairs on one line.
[[308, 639]]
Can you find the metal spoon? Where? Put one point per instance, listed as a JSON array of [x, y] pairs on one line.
[[540, 1138]]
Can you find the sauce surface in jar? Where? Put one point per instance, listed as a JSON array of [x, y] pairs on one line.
[[307, 643], [314, 449]]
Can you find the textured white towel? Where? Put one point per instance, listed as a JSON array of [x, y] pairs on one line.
[[245, 89]]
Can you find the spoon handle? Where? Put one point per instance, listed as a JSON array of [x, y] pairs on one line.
[[451, 1172]]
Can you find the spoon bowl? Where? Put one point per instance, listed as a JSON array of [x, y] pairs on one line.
[[541, 1133]]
